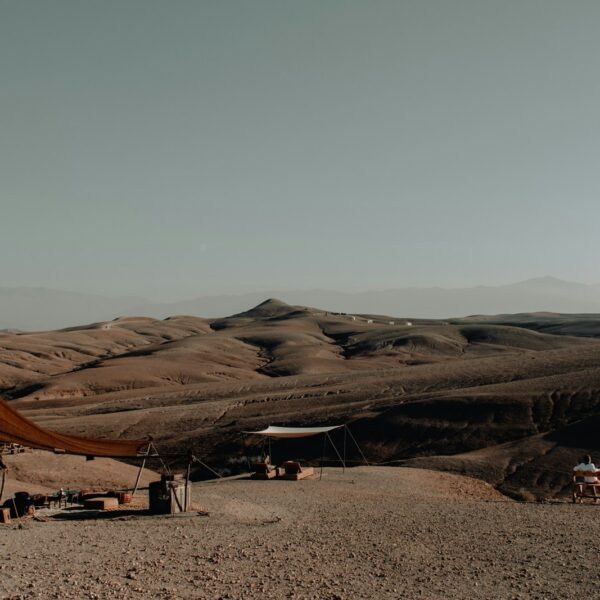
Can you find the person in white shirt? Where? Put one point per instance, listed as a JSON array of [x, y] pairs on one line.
[[586, 464]]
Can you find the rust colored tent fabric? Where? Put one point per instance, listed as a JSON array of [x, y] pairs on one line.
[[17, 429]]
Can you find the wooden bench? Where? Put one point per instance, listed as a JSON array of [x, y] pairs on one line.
[[580, 488]]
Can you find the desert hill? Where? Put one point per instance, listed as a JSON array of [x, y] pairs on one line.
[[411, 390], [584, 325], [43, 473], [28, 357]]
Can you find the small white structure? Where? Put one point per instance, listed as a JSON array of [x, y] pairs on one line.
[[369, 320], [409, 323], [391, 322]]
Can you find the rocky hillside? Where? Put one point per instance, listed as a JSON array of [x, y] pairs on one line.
[[411, 389]]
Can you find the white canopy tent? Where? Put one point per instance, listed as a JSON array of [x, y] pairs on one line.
[[293, 432], [275, 432]]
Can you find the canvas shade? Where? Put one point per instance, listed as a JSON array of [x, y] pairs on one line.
[[17, 429], [293, 432]]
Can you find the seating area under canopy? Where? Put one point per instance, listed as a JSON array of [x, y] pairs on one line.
[[276, 432]]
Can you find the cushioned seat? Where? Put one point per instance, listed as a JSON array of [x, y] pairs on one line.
[[295, 471]]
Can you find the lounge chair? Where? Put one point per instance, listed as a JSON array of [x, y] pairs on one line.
[[295, 471], [264, 470], [581, 489]]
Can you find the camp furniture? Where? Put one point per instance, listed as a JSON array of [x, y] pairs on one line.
[[264, 470], [102, 503], [275, 432], [295, 471], [170, 495], [580, 488]]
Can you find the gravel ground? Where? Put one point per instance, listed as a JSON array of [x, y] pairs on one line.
[[366, 533]]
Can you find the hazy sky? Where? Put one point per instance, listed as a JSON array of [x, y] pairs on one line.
[[180, 148]]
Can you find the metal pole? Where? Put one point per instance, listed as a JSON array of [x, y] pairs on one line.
[[336, 450], [165, 466], [139, 475], [187, 485], [356, 444], [3, 470], [322, 456], [345, 429], [3, 482], [207, 467]]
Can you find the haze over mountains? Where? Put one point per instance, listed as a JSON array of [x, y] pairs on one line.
[[31, 309]]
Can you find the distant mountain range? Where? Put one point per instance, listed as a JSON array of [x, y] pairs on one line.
[[29, 309]]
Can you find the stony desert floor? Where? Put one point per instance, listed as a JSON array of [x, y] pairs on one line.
[[371, 532]]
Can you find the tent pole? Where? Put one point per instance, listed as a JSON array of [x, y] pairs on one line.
[[322, 457], [345, 430], [356, 444], [166, 468], [137, 479], [187, 484], [139, 475], [3, 482], [246, 451], [196, 459], [336, 450]]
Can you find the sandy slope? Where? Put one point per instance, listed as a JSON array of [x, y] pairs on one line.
[[368, 533], [431, 388], [441, 408], [44, 472], [30, 357], [271, 340]]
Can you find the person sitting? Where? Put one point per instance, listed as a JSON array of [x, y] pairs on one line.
[[589, 481], [586, 464]]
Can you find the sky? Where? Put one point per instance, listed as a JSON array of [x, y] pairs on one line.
[[185, 148]]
